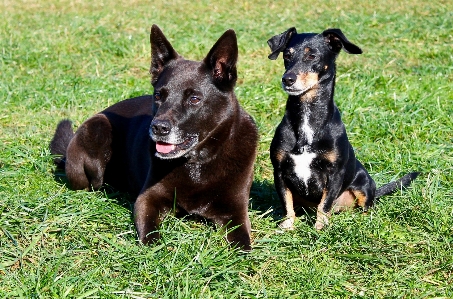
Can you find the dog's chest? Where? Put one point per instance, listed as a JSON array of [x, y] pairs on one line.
[[194, 171], [307, 130], [302, 165], [303, 161]]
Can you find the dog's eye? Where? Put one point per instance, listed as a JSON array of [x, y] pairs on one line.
[[286, 56], [157, 96], [194, 100]]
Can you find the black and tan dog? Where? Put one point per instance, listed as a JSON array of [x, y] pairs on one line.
[[314, 163], [189, 146]]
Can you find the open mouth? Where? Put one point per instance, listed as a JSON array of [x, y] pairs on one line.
[[166, 150]]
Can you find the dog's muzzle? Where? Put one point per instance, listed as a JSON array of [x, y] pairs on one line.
[[170, 142], [289, 79]]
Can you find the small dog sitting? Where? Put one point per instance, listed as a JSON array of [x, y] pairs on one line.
[[314, 163], [190, 146]]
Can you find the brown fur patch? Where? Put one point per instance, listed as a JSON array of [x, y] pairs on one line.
[[331, 156], [309, 81], [361, 198], [322, 218], [288, 223], [279, 155], [289, 204], [345, 201]]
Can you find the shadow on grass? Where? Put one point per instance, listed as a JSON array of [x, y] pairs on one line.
[[263, 199]]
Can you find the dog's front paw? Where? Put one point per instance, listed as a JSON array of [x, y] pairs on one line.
[[287, 224], [319, 225], [321, 222]]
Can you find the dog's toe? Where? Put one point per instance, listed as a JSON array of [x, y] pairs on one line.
[[288, 224], [319, 225]]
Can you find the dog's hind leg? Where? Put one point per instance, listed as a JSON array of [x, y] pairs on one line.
[[363, 187], [60, 141], [88, 153]]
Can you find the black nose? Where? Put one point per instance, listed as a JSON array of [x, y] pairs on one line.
[[160, 127], [288, 79]]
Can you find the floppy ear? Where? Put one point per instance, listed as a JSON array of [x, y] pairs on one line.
[[278, 43], [161, 52], [336, 41], [222, 59]]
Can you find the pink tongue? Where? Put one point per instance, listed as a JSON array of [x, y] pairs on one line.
[[164, 148]]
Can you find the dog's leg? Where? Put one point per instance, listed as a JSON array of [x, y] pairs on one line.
[[148, 214], [363, 187], [322, 214], [329, 196], [286, 198], [88, 153], [238, 230]]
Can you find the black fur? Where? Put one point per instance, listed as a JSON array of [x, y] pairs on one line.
[[190, 146], [314, 163], [60, 142]]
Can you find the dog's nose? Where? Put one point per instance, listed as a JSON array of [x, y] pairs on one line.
[[160, 127], [288, 79]]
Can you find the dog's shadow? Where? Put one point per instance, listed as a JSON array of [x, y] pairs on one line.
[[264, 201], [123, 199]]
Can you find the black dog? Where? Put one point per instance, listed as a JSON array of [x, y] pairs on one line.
[[190, 146], [314, 163]]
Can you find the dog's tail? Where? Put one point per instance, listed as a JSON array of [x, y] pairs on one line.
[[396, 185], [60, 142]]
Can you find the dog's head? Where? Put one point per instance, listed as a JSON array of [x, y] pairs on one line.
[[191, 98], [308, 57]]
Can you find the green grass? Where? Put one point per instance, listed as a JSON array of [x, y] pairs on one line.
[[73, 58]]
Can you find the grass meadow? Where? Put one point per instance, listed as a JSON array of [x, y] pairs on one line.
[[72, 58]]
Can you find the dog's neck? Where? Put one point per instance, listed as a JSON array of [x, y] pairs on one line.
[[312, 110], [208, 148]]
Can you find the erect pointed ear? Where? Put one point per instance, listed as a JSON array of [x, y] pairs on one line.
[[336, 41], [161, 52], [222, 59], [279, 42]]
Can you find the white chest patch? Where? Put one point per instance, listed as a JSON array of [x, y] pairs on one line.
[[302, 165], [194, 172], [308, 131]]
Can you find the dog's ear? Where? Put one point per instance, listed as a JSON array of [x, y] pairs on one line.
[[162, 52], [336, 41], [279, 42], [221, 60]]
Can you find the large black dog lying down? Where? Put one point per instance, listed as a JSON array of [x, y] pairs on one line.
[[314, 163], [189, 146]]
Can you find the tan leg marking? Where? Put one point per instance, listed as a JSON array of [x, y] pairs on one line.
[[322, 218], [288, 223], [361, 198]]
